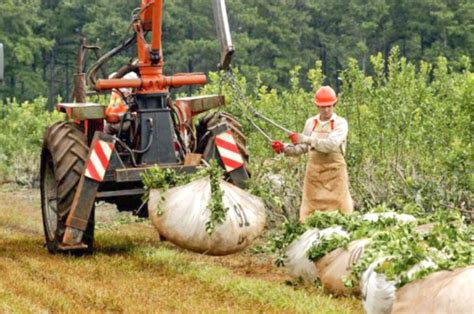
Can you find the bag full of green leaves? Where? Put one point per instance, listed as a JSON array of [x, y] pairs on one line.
[[207, 216], [378, 293], [329, 239], [400, 218], [297, 253], [335, 268], [406, 254], [440, 292], [297, 262]]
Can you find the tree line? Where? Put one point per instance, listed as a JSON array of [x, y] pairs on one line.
[[41, 37]]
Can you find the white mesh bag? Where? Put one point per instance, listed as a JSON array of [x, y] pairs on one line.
[[439, 293], [297, 261], [402, 218], [337, 265], [185, 214], [378, 293]]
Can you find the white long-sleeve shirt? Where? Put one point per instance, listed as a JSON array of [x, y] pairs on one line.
[[324, 136]]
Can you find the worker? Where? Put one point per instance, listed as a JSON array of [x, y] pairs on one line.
[[326, 182], [117, 107]]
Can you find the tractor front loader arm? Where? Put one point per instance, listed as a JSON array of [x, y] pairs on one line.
[[95, 167]]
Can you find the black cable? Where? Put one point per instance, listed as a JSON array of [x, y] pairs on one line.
[[132, 154], [92, 72], [150, 138], [134, 151]]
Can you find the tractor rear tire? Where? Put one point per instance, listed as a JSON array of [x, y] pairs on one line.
[[63, 158]]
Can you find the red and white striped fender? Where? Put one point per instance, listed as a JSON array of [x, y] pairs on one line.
[[229, 151], [99, 158]]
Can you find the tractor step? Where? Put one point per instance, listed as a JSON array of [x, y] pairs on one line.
[[135, 174], [130, 192], [64, 247]]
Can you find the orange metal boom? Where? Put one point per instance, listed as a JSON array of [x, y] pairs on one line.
[[159, 83], [150, 57]]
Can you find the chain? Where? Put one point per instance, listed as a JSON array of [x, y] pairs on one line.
[[221, 81], [244, 104], [241, 100]]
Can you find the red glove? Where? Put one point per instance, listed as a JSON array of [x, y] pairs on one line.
[[278, 147], [294, 138]]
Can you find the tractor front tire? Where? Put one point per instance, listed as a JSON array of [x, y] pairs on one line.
[[63, 159]]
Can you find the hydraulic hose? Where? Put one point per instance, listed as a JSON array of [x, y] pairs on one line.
[[132, 152], [150, 138], [92, 72]]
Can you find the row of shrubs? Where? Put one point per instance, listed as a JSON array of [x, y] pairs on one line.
[[410, 132], [410, 138], [22, 127]]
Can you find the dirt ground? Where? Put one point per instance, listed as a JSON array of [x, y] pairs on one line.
[[133, 271]]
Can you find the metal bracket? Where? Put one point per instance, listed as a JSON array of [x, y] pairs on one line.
[[88, 186], [238, 176], [82, 111], [223, 32]]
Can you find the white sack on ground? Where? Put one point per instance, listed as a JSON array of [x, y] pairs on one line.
[[378, 293], [402, 218], [337, 230], [297, 260], [336, 265], [440, 292], [185, 214]]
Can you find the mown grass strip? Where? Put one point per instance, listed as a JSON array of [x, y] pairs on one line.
[[103, 282], [133, 271], [262, 292]]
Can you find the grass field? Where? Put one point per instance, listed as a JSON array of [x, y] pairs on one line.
[[132, 271]]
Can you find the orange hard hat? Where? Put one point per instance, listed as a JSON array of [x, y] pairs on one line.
[[325, 96]]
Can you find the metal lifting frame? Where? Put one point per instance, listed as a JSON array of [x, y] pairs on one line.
[[152, 84]]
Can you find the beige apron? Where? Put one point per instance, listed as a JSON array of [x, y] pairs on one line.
[[326, 184]]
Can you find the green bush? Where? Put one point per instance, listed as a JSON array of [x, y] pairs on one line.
[[410, 132], [21, 135]]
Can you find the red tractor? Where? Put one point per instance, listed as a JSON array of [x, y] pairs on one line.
[[85, 159]]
